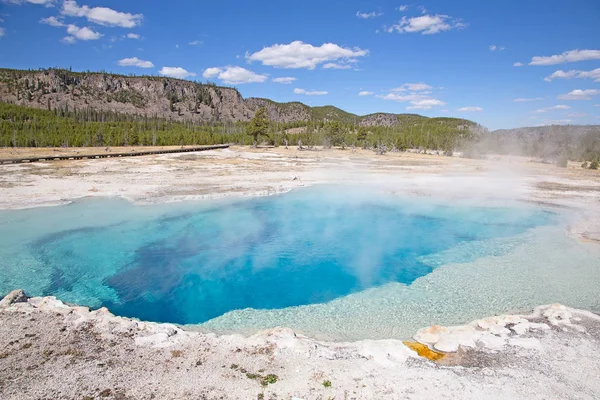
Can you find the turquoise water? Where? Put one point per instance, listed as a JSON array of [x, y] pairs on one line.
[[188, 263]]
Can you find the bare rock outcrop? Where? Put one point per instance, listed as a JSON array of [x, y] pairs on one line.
[[152, 96], [16, 296], [49, 349]]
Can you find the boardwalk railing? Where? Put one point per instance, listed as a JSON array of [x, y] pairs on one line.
[[109, 155]]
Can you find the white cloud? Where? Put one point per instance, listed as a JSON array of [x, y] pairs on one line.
[[553, 108], [560, 74], [69, 40], [579, 94], [298, 54], [101, 15], [52, 21], [233, 75], [518, 64], [426, 24], [75, 33], [284, 79], [47, 3], [419, 100], [196, 43], [523, 100], [418, 94], [133, 36], [372, 14], [403, 8], [470, 109], [497, 48], [566, 57], [2, 32], [78, 33], [310, 92], [238, 75], [135, 62], [577, 115], [211, 72], [414, 87], [593, 74], [365, 93], [596, 105], [398, 97], [175, 72], [425, 104], [336, 66]]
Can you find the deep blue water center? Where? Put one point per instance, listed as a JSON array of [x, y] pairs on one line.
[[188, 263]]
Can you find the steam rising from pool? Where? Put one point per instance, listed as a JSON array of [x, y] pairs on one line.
[[342, 262]]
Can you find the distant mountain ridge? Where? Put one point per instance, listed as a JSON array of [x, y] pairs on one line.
[[164, 97]]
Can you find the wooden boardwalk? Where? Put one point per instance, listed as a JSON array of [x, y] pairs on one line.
[[109, 155]]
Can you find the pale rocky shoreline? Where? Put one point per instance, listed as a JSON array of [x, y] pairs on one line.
[[52, 350]]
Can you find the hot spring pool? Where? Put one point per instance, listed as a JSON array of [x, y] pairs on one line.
[[345, 263]]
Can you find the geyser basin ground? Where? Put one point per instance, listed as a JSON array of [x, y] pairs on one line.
[[346, 263]]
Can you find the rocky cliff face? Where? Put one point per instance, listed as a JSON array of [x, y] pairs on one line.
[[149, 95], [379, 119], [162, 97], [152, 96]]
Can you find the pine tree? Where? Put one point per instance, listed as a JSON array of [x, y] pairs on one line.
[[361, 137], [334, 133], [259, 125]]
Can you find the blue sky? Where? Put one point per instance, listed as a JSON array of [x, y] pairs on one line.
[[435, 58]]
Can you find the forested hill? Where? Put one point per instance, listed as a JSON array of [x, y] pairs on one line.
[[57, 107], [169, 98]]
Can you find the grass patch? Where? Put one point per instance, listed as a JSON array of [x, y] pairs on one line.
[[327, 383], [263, 380], [269, 379]]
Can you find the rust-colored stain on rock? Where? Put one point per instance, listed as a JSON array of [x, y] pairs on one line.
[[424, 351]]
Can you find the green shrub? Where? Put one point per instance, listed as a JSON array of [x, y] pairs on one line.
[[269, 380]]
